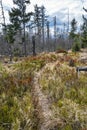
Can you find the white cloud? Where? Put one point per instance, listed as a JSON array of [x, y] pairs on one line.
[[56, 7], [8, 3]]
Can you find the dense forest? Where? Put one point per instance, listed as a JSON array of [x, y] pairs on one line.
[[41, 85]]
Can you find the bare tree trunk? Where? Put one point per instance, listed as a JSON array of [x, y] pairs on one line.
[[48, 46], [43, 21], [24, 42], [54, 33], [10, 53], [33, 42]]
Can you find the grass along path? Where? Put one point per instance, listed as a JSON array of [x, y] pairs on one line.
[[42, 106]]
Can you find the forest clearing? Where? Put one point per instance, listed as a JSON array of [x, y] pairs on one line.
[[43, 92], [43, 65]]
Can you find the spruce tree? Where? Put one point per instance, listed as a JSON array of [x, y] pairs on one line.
[[10, 32], [74, 36], [84, 31], [73, 29], [19, 18]]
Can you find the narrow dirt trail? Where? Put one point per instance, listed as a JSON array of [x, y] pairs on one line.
[[46, 120], [45, 115], [42, 104]]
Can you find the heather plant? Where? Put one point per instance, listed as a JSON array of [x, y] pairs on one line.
[[66, 93], [16, 107]]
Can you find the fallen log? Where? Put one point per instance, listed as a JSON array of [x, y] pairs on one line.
[[81, 68], [78, 69]]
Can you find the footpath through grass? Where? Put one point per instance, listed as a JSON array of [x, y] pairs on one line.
[[67, 94]]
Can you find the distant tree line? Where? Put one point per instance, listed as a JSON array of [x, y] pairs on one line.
[[30, 33]]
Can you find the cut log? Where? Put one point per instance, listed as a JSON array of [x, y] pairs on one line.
[[78, 69], [81, 68]]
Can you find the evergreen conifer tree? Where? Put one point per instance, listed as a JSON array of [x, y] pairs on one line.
[[19, 18]]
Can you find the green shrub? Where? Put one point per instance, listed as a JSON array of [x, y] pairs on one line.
[[67, 127], [60, 49], [83, 45], [16, 52], [60, 103], [71, 63], [76, 47]]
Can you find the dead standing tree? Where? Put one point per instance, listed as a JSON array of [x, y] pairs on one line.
[[55, 29], [33, 42], [40, 21], [48, 35], [44, 21], [37, 22], [3, 28]]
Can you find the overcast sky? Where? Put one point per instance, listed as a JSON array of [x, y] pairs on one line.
[[58, 8]]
